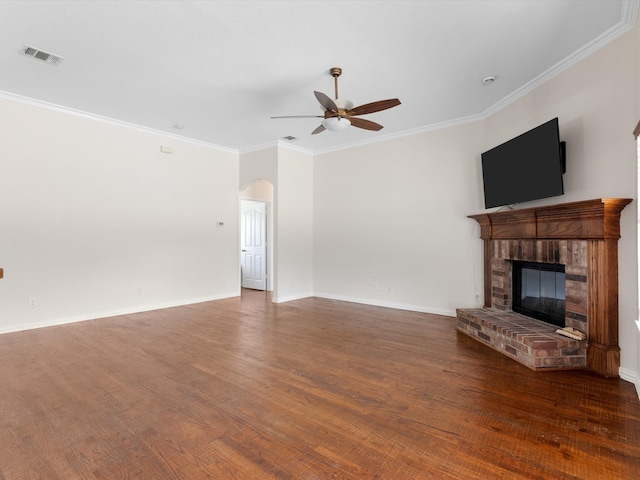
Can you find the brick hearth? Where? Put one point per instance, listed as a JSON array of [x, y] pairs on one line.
[[527, 340], [513, 334]]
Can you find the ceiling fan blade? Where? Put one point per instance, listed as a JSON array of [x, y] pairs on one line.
[[300, 116], [320, 129], [366, 124], [326, 102], [374, 107]]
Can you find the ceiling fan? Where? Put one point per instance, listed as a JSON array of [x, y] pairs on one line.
[[340, 114]]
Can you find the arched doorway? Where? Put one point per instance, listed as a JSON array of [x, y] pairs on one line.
[[256, 236]]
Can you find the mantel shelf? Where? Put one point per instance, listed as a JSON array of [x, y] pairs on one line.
[[588, 219]]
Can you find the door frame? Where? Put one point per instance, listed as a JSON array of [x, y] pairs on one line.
[[269, 238]]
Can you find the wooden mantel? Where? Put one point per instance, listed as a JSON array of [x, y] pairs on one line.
[[598, 223], [589, 219]]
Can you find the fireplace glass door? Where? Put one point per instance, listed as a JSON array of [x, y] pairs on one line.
[[538, 291]]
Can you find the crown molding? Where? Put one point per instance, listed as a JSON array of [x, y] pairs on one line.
[[295, 148], [405, 133], [91, 116], [627, 23], [257, 148]]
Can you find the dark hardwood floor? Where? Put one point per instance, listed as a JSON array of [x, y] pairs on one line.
[[311, 389]]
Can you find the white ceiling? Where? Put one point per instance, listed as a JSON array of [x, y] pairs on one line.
[[223, 68]]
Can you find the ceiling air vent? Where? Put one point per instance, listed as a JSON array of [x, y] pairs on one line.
[[40, 55]]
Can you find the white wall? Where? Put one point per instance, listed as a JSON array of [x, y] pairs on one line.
[[259, 181], [636, 94], [391, 224], [259, 165], [594, 101], [390, 218], [97, 221], [294, 226], [260, 190]]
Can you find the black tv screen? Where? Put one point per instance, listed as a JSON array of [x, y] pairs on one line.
[[527, 167]]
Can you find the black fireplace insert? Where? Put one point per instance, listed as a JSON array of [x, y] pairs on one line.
[[538, 291]]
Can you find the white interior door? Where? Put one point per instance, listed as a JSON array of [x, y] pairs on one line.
[[253, 246]]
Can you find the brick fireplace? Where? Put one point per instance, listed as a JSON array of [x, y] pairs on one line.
[[583, 237]]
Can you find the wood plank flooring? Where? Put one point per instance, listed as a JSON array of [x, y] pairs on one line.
[[310, 389]]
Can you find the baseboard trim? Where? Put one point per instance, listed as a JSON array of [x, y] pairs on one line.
[[630, 376], [624, 373], [290, 298], [114, 313], [397, 306]]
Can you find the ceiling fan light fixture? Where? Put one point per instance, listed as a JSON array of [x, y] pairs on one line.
[[336, 124], [341, 114], [343, 104]]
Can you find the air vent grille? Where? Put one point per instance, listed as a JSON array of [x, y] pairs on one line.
[[41, 55]]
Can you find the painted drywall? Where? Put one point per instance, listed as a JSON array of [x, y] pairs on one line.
[[293, 226], [593, 101], [260, 190], [97, 221], [636, 94], [259, 165], [391, 226], [258, 181]]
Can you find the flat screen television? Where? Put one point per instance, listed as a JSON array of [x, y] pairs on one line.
[[527, 167]]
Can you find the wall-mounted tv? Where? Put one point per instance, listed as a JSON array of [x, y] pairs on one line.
[[527, 167]]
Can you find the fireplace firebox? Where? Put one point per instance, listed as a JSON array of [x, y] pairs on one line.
[[539, 291]]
